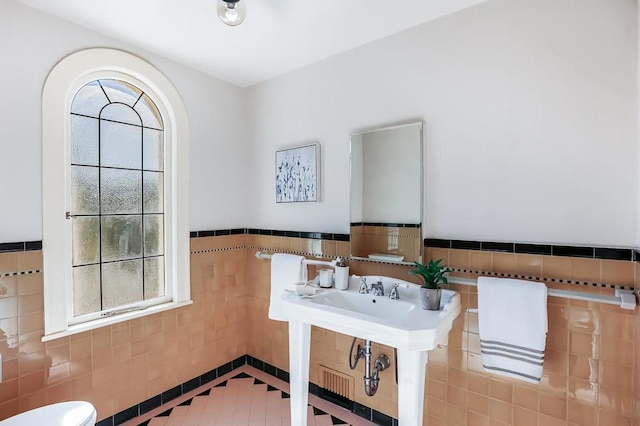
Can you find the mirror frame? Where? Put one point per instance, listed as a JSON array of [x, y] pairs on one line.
[[421, 125]]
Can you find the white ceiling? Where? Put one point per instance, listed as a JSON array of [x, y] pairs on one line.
[[277, 36]]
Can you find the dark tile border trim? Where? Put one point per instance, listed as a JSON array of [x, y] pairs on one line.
[[177, 391], [627, 254], [217, 233], [391, 225], [20, 246], [272, 232]]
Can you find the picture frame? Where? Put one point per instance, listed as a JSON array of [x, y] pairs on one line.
[[297, 174]]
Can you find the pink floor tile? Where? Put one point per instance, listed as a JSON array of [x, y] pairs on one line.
[[244, 397]]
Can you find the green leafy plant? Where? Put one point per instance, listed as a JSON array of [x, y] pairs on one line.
[[432, 275]]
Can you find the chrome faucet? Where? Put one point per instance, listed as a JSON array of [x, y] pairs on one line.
[[378, 289], [393, 294]]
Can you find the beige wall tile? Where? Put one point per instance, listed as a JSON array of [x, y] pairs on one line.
[[529, 265], [9, 262], [580, 414], [553, 406], [589, 369], [556, 267], [524, 417], [585, 269], [30, 260], [500, 411], [501, 389], [478, 403], [504, 262], [618, 272]]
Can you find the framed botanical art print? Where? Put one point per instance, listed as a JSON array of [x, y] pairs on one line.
[[297, 174]]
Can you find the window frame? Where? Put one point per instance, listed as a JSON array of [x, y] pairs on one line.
[[64, 81]]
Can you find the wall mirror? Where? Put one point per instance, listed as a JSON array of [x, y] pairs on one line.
[[386, 193]]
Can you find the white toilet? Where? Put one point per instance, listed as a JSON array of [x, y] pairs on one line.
[[72, 413]]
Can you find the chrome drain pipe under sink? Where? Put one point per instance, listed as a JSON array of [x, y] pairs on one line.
[[371, 378]]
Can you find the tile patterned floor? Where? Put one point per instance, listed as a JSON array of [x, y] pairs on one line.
[[244, 397]]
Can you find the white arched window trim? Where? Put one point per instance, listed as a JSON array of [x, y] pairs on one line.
[[66, 78]]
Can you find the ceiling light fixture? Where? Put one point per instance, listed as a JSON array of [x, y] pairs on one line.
[[231, 12]]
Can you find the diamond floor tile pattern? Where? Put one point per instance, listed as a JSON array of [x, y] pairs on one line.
[[242, 400]]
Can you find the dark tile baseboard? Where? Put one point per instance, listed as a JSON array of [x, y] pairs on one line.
[[272, 232]]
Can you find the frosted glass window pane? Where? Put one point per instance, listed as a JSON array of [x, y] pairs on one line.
[[121, 191], [89, 100], [153, 192], [84, 190], [85, 247], [153, 277], [120, 145], [153, 235], [153, 150], [149, 113], [86, 289], [121, 113], [121, 91], [121, 283], [84, 140], [121, 237]]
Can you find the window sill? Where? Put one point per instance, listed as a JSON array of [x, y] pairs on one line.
[[103, 322]]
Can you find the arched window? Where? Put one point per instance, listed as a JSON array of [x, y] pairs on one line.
[[115, 231]]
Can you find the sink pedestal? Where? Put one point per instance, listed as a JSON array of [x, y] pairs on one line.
[[412, 366], [411, 375], [299, 352]]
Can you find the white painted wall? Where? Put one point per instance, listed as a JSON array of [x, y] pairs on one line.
[[31, 43], [530, 111]]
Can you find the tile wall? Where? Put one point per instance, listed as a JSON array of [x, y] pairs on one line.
[[591, 375], [592, 367], [118, 366]]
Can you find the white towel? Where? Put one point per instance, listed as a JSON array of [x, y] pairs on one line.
[[512, 319], [286, 271]]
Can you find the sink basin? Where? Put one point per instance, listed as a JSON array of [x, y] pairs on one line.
[[366, 304], [401, 323]]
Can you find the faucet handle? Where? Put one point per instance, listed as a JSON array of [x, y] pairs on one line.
[[363, 286], [393, 294]]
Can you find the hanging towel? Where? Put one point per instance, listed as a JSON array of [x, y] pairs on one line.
[[512, 319], [286, 271]]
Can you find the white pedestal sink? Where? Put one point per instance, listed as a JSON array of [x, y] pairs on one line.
[[402, 324]]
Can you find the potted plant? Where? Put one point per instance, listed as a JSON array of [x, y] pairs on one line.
[[432, 275]]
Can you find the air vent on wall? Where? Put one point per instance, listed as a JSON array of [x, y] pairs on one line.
[[336, 382]]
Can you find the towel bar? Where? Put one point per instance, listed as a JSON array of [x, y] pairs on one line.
[[263, 255], [626, 299], [623, 298]]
